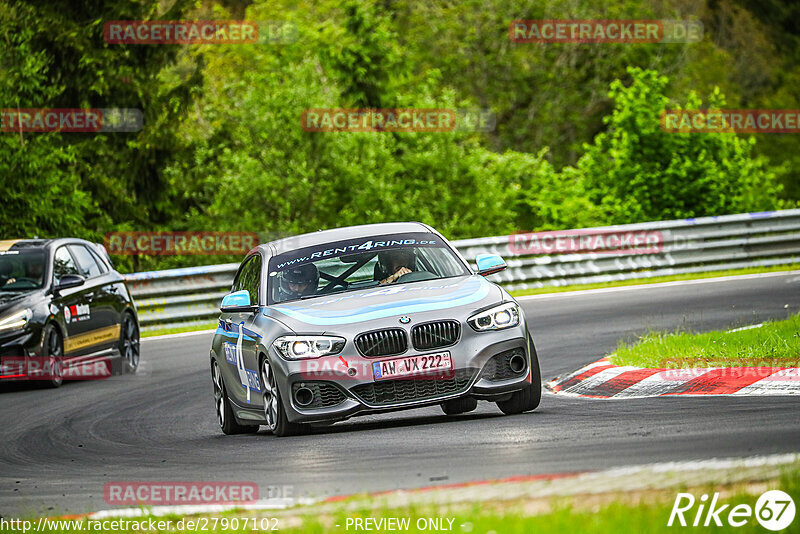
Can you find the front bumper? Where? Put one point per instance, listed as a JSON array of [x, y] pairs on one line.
[[481, 371], [15, 350]]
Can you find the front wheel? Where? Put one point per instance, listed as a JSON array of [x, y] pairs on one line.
[[53, 355], [274, 413], [529, 398], [225, 418], [129, 342]]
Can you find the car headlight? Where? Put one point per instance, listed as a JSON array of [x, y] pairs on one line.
[[302, 347], [15, 321], [500, 317]]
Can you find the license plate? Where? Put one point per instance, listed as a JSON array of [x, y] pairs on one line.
[[427, 364]]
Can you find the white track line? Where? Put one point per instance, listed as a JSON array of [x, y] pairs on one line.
[[601, 290], [179, 335]]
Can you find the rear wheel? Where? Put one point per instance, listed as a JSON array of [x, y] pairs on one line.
[[529, 398], [129, 342], [459, 406], [277, 422], [225, 418], [53, 356]]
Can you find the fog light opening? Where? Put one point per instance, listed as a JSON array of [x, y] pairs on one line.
[[517, 363], [303, 396]]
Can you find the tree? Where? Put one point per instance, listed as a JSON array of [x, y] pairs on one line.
[[638, 172]]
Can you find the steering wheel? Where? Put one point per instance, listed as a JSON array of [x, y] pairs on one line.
[[416, 276]]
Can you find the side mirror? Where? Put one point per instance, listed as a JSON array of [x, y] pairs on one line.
[[70, 280], [489, 264], [238, 301]]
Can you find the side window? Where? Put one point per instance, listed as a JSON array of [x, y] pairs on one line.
[[249, 278], [86, 262], [63, 264]]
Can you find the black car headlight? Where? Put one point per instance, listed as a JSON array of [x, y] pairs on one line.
[[303, 347], [497, 318], [15, 321]]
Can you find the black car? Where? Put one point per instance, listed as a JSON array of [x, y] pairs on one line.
[[65, 313]]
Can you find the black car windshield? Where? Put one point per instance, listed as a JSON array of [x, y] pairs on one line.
[[22, 270], [360, 263]]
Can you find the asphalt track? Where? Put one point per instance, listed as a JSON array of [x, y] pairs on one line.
[[60, 447]]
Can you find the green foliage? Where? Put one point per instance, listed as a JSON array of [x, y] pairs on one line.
[[273, 177], [223, 148], [638, 172], [42, 195]]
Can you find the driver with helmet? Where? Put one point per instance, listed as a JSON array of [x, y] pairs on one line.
[[395, 263], [299, 281]]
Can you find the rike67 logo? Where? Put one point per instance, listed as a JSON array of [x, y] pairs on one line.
[[774, 510]]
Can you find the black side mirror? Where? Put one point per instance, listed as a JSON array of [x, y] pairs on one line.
[[70, 280]]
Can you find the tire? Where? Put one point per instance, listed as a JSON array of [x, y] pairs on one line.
[[275, 414], [129, 347], [225, 417], [53, 354], [529, 398], [459, 406]]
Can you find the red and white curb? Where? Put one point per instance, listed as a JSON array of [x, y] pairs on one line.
[[604, 380]]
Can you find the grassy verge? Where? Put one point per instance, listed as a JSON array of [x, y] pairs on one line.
[[586, 510], [656, 280], [179, 329], [774, 344]]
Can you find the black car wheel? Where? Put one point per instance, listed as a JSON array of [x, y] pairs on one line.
[[225, 418], [277, 422], [129, 342], [53, 357], [529, 398]]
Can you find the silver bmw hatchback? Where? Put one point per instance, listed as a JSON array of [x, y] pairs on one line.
[[324, 326]]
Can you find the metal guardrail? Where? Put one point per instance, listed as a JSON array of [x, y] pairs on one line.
[[706, 244]]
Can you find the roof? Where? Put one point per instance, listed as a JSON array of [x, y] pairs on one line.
[[17, 244], [341, 234]]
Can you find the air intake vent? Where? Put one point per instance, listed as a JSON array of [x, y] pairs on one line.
[[387, 342], [409, 390], [434, 335]]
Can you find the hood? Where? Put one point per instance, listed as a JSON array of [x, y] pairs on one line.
[[472, 292], [10, 300]]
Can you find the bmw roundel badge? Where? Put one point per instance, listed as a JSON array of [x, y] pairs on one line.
[[405, 319]]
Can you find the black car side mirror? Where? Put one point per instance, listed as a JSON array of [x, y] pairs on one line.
[[70, 280]]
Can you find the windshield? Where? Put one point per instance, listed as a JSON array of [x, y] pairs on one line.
[[361, 263], [22, 270]]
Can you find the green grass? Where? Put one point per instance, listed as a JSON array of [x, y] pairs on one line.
[[655, 280], [179, 329], [775, 344], [634, 512]]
